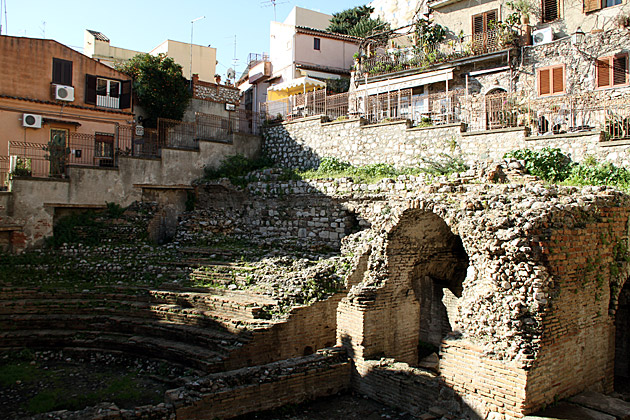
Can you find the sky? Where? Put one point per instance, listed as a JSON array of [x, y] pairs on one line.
[[142, 25]]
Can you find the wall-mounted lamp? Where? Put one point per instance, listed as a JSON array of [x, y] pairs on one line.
[[578, 36]]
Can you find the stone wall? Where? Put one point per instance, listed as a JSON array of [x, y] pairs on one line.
[[215, 92], [32, 202], [303, 143]]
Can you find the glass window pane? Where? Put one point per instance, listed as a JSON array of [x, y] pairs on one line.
[[114, 89], [101, 87]]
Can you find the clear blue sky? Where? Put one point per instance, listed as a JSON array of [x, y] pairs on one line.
[[142, 24]]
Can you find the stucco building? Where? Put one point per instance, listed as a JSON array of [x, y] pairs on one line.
[[204, 59], [303, 55], [51, 98]]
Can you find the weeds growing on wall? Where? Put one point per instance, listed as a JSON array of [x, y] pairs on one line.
[[331, 167], [553, 166], [235, 167]]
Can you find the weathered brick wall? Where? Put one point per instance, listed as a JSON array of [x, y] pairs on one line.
[[264, 387], [485, 385], [578, 342], [303, 143]]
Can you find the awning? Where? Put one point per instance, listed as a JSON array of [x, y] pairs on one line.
[[407, 82], [294, 87]]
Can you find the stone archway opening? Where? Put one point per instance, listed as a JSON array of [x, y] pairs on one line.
[[622, 341], [434, 261]]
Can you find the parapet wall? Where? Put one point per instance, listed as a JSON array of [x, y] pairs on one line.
[[302, 143]]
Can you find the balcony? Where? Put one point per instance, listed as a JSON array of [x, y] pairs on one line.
[[421, 58]]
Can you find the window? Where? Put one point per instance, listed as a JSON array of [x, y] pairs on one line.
[[612, 71], [592, 5], [550, 10], [62, 72], [316, 43], [551, 80], [107, 93], [483, 22]]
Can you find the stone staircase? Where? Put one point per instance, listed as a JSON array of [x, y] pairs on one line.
[[197, 328]]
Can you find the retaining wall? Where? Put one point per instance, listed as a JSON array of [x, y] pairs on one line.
[[302, 143]]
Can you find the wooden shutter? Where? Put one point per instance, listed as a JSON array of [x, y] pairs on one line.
[[90, 89], [619, 70], [490, 16], [125, 96], [558, 80], [550, 10], [544, 82], [603, 72], [592, 5], [478, 24], [62, 72]]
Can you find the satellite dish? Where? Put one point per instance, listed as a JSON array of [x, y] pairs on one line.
[[231, 74]]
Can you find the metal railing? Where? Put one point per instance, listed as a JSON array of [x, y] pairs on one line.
[[428, 55], [4, 173]]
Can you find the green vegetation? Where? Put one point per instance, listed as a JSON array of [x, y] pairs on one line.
[[357, 22], [235, 167], [553, 166], [331, 167], [158, 83]]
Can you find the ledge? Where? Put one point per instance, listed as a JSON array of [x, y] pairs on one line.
[[35, 178], [565, 135], [384, 124], [141, 157], [76, 206], [613, 143], [100, 168], [430, 127], [525, 130], [10, 228], [303, 119], [349, 120], [163, 187], [226, 141], [180, 149]]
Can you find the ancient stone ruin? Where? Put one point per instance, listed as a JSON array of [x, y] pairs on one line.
[[454, 296]]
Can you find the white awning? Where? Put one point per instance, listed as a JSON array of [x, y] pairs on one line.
[[407, 82], [294, 87]]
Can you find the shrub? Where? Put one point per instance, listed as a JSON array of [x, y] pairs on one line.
[[549, 164]]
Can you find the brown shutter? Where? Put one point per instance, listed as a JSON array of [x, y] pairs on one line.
[[603, 72], [478, 24], [592, 5], [491, 16], [558, 79], [90, 89], [550, 10], [620, 70], [125, 96], [544, 82]]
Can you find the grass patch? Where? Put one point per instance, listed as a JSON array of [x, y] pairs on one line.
[[331, 167]]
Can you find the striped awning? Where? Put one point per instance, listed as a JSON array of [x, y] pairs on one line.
[[294, 87]]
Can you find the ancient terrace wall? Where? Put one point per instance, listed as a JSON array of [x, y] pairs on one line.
[[31, 207], [302, 143], [517, 285]]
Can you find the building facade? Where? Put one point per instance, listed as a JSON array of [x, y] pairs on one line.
[[59, 107]]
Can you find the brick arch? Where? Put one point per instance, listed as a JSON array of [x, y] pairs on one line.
[[426, 257]]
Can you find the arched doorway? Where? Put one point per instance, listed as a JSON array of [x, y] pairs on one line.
[[431, 260]]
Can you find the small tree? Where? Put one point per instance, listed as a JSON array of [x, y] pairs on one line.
[[357, 22], [159, 85]]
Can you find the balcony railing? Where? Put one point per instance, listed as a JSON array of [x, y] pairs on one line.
[[427, 56]]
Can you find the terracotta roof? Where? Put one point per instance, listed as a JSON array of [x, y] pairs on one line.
[[98, 35], [328, 34]]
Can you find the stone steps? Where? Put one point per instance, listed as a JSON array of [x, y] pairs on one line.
[[160, 348]]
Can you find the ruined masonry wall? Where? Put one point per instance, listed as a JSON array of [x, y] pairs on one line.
[[578, 349], [303, 143]]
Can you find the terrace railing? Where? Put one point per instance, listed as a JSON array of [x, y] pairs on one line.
[[428, 55]]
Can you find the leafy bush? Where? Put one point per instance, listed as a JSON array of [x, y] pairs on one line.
[[444, 165], [550, 164], [235, 166], [590, 172], [332, 164]]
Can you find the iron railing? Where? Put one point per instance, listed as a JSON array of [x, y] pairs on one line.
[[4, 173], [428, 55]]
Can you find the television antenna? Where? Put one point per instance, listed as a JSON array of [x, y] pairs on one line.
[[3, 6], [268, 3]]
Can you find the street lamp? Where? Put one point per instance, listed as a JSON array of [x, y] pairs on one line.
[[192, 22], [578, 36]]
